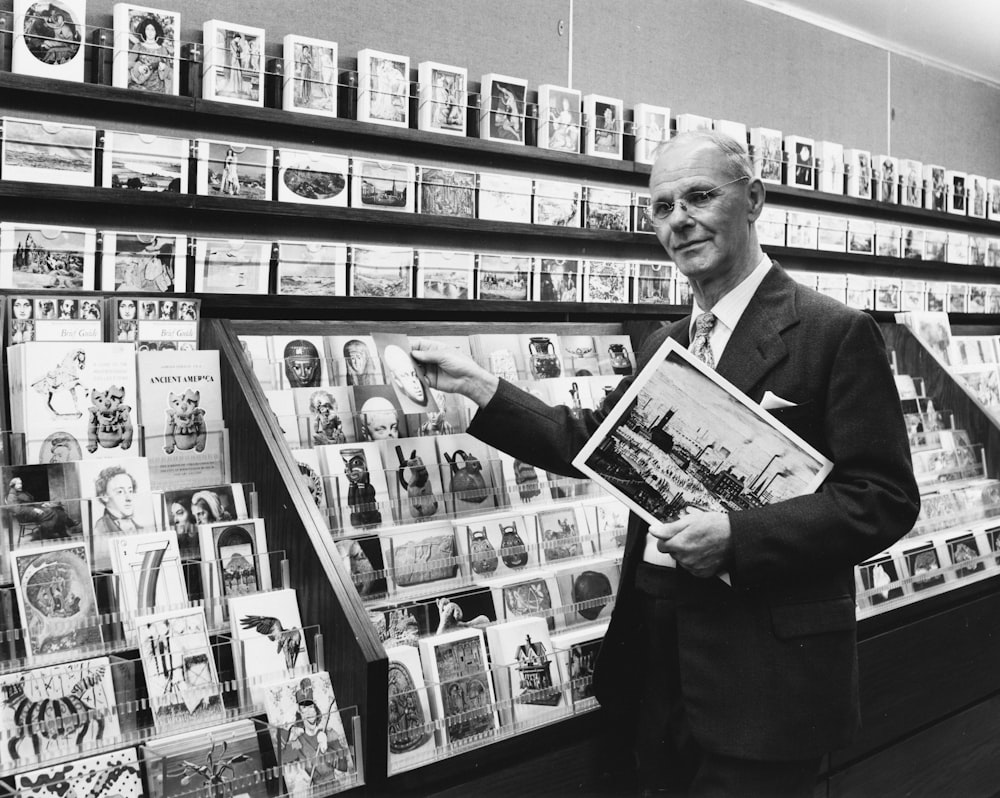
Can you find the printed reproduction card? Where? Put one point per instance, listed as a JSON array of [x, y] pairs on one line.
[[113, 775], [146, 55]]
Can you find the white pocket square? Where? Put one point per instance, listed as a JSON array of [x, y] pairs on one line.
[[771, 401]]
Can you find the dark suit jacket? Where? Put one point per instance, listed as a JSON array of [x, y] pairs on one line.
[[769, 665]]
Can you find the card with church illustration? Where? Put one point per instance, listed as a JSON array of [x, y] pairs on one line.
[[237, 563], [179, 667], [149, 577], [414, 479], [53, 317], [677, 408], [383, 185], [379, 271], [56, 599], [504, 198], [443, 98], [652, 128], [502, 108], [446, 192], [225, 759], [497, 545], [313, 178], [82, 691], [43, 257], [233, 169], [587, 590], [421, 558], [49, 39], [323, 415], [138, 262], [355, 477], [445, 274], [604, 131], [233, 69], [411, 738], [309, 76], [525, 673], [44, 151], [383, 88], [145, 162], [307, 732], [576, 654], [534, 593], [557, 203], [469, 472], [506, 277], [146, 49], [106, 775], [559, 120], [456, 669], [606, 281]]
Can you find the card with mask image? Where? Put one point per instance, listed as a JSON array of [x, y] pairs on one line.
[[404, 374]]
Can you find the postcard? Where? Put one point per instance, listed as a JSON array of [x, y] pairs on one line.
[[557, 280], [315, 178], [50, 39], [605, 117], [267, 634], [469, 471], [766, 151], [40, 257], [422, 557], [150, 579], [42, 151], [504, 198], [652, 128], [674, 401], [143, 262], [654, 282], [935, 188], [830, 167], [502, 108], [355, 360], [911, 183], [587, 590], [383, 88], [533, 593], [404, 374], [576, 652], [312, 268], [498, 545], [355, 478], [382, 185], [234, 169], [443, 98], [557, 203], [608, 209], [801, 168], [606, 281], [379, 271], [184, 509], [411, 738], [146, 50], [525, 672], [445, 274], [233, 71], [110, 775], [309, 78], [558, 118], [447, 192], [858, 169], [503, 277], [238, 563], [145, 162], [231, 266]]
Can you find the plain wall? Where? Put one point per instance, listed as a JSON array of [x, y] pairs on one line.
[[720, 58]]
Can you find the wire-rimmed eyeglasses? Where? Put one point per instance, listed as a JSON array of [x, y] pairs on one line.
[[692, 202]]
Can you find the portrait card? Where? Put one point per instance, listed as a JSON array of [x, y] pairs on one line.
[[767, 153], [576, 653], [993, 201], [447, 192], [445, 274], [53, 317], [557, 203], [957, 191], [411, 739], [557, 280], [143, 262], [443, 93], [414, 478], [233, 71], [503, 277], [184, 509], [502, 108], [313, 178], [231, 266], [111, 775], [309, 77], [936, 188], [801, 162], [499, 545], [179, 666], [606, 281], [146, 50], [887, 179], [238, 563], [43, 151], [642, 224], [383, 88], [378, 271], [652, 128], [302, 360], [677, 393], [559, 120], [404, 374], [911, 183], [976, 185], [505, 198], [48, 39], [355, 360], [421, 558], [145, 162], [858, 169], [355, 477], [56, 599], [234, 169], [312, 268], [608, 209], [604, 126], [525, 672], [41, 257], [382, 185]]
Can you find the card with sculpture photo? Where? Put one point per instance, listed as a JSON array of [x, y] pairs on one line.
[[422, 557], [502, 108], [309, 78], [403, 374], [146, 49], [443, 98]]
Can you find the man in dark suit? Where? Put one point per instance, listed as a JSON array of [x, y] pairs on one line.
[[741, 689]]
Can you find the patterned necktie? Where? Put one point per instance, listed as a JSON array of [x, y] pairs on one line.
[[703, 326]]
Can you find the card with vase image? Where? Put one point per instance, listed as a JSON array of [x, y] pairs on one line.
[[558, 118], [587, 590], [83, 695], [502, 108], [525, 672], [43, 151], [35, 257], [378, 271], [382, 185], [608, 209], [314, 178], [312, 268], [652, 128], [411, 739], [557, 203], [48, 39], [233, 71], [445, 274], [111, 775], [606, 281], [145, 162], [143, 262], [237, 561], [414, 478], [498, 545], [503, 277], [540, 352], [615, 355], [146, 51], [505, 198], [56, 599], [767, 153], [231, 266], [179, 667], [383, 88], [557, 280], [443, 98], [447, 192], [470, 473], [234, 169], [604, 123], [579, 355], [309, 77]]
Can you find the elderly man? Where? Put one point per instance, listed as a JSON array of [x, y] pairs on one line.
[[741, 689]]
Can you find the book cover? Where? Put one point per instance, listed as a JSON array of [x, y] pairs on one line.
[[53, 317], [42, 257], [314, 178], [443, 99], [558, 118], [49, 39], [309, 77], [311, 268], [383, 88], [233, 69], [502, 108], [146, 52]]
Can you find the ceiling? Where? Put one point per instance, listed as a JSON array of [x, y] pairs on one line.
[[959, 35]]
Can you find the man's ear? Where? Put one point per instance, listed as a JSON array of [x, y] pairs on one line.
[[755, 198]]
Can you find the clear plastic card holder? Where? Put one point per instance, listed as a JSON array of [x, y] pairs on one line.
[[953, 506], [12, 448], [949, 465], [241, 571], [177, 457], [62, 446], [358, 518], [58, 522], [118, 769], [411, 727], [277, 655]]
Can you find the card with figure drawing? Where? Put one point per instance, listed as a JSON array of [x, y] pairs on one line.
[[935, 188], [309, 77], [957, 192], [233, 169], [48, 39], [447, 192], [237, 563], [445, 274], [858, 169], [308, 734], [559, 121], [231, 266], [767, 153], [652, 128], [233, 70], [557, 280], [443, 98], [378, 271], [801, 167], [411, 738], [976, 188], [43, 151], [456, 668], [532, 593], [179, 666], [143, 262], [502, 108], [606, 281], [382, 185], [604, 126], [498, 545], [354, 478], [678, 405], [110, 775], [503, 277], [830, 167], [886, 179], [81, 693], [911, 183], [314, 178], [558, 203], [311, 268], [525, 672], [608, 209], [576, 653], [41, 257], [504, 198], [420, 558], [383, 88], [146, 49], [53, 317], [145, 162], [993, 199], [56, 599], [267, 636]]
